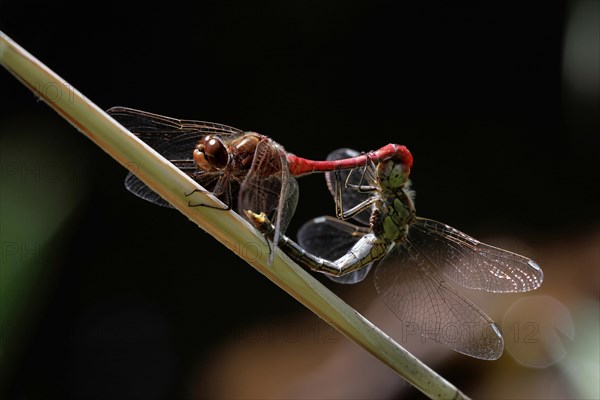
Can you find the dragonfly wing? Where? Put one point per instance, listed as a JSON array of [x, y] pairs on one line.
[[411, 288], [350, 196], [269, 187], [352, 277], [471, 263], [155, 129], [139, 188], [330, 238], [288, 200]]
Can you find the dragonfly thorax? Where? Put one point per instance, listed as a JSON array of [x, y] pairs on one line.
[[244, 149], [393, 215]]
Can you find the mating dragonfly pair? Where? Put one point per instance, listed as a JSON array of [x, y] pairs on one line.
[[412, 255]]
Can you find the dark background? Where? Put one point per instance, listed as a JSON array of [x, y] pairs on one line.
[[132, 296]]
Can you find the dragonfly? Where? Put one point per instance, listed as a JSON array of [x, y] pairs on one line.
[[414, 257], [244, 169]]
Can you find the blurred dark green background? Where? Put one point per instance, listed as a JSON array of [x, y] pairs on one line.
[[106, 296]]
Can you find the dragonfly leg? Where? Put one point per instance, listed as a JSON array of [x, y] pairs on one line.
[[228, 204], [347, 214], [227, 208], [342, 214], [361, 187], [192, 192]]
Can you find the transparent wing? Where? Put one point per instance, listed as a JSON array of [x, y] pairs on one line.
[[139, 188], [471, 263], [330, 238], [352, 277], [269, 187], [155, 129], [350, 197], [413, 290]]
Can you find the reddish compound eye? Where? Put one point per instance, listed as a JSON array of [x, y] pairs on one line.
[[215, 151]]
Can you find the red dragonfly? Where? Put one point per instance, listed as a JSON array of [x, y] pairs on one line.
[[245, 170]]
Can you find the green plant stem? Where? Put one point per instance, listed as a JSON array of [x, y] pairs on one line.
[[227, 227]]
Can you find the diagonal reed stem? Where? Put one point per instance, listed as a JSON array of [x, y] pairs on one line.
[[227, 227]]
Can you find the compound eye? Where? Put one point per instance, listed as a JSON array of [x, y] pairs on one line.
[[216, 152]]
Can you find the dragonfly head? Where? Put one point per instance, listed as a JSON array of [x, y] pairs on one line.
[[211, 154], [392, 174]]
